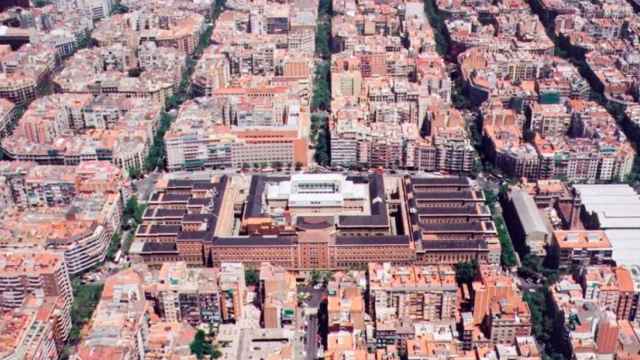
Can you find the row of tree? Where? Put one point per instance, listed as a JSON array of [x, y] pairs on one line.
[[323, 29], [321, 99], [278, 165], [508, 255], [321, 136], [155, 159]]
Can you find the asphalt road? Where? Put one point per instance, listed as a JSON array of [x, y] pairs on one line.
[[311, 345], [312, 338]]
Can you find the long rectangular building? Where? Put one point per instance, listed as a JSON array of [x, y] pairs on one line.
[[220, 147], [449, 221]]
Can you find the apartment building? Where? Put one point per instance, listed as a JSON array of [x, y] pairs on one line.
[[119, 326], [278, 296], [550, 119], [168, 340], [66, 129], [7, 116], [212, 72], [81, 231], [346, 303], [433, 338], [346, 316], [41, 273], [582, 247], [185, 294], [412, 293], [32, 331], [31, 185], [99, 9], [167, 27], [498, 307], [234, 147], [24, 71], [233, 291]]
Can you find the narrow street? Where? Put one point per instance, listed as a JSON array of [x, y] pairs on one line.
[[311, 322]]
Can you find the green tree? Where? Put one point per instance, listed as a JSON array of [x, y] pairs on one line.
[[215, 353], [86, 42], [133, 210], [466, 271], [320, 134], [319, 277], [200, 346], [85, 300], [126, 244], [218, 7], [40, 3], [507, 256], [251, 276], [134, 73], [323, 35], [155, 157], [325, 8], [439, 27], [528, 135], [135, 173], [321, 97]]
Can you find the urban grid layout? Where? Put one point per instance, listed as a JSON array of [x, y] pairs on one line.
[[319, 179]]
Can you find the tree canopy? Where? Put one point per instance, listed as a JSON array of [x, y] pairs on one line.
[[466, 272]]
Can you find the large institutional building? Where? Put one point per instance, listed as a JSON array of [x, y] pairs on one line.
[[317, 221]]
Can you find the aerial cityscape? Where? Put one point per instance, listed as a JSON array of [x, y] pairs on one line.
[[319, 179]]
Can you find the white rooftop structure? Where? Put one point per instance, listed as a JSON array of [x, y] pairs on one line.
[[618, 210], [617, 206], [317, 190], [535, 231]]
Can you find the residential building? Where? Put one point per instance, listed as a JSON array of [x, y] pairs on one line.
[[185, 294], [278, 296], [119, 327], [582, 247]]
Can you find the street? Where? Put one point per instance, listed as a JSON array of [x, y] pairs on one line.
[[312, 335]]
